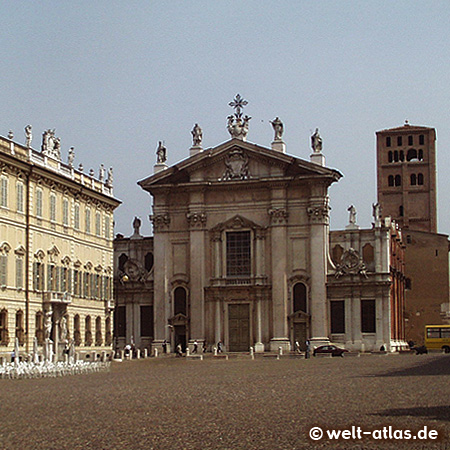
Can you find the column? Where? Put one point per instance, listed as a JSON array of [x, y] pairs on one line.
[[218, 328], [318, 217], [259, 346], [278, 237]]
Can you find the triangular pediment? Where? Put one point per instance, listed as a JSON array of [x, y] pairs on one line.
[[236, 160], [237, 222]]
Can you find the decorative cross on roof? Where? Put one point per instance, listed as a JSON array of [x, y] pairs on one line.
[[238, 103]]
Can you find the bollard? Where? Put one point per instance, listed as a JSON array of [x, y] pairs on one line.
[[138, 353], [252, 353], [145, 353], [215, 351], [122, 354], [103, 358], [155, 353], [94, 356], [187, 351], [280, 351]]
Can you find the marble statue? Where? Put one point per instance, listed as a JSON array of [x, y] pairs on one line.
[[316, 142], [28, 135], [352, 214], [376, 211], [161, 154], [197, 136], [71, 157], [238, 127], [136, 225], [278, 128], [48, 324], [101, 173], [110, 179], [11, 135], [63, 329]]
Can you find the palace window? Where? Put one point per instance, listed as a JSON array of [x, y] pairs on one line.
[[337, 313], [3, 269], [107, 227], [65, 212], [76, 216], [20, 332], [368, 316], [88, 221], [87, 331], [98, 222], [368, 254], [19, 196], [52, 207], [19, 272], [39, 202], [337, 253], [4, 191], [76, 330], [39, 326], [120, 321], [4, 333], [98, 331], [238, 253], [38, 276]]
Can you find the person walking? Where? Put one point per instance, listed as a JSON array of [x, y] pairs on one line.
[[194, 350]]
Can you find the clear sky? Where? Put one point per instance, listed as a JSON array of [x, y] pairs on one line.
[[115, 77]]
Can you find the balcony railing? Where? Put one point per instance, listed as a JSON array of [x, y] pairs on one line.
[[57, 297]]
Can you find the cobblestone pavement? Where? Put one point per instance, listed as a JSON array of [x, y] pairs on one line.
[[171, 403]]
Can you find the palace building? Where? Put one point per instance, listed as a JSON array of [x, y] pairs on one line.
[[56, 249], [240, 255]]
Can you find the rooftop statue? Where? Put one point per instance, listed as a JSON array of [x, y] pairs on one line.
[[110, 179], [51, 145], [101, 173], [238, 125], [316, 142], [197, 136], [278, 128], [352, 215], [71, 157], [28, 136], [161, 154]]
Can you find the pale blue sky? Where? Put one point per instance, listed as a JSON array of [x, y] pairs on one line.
[[114, 78]]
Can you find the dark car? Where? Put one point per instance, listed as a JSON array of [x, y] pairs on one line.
[[335, 351]]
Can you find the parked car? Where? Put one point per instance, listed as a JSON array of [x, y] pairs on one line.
[[335, 351]]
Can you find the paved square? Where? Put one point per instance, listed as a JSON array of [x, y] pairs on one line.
[[172, 403]]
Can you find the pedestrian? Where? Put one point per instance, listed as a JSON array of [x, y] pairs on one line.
[[297, 347], [164, 346], [194, 350], [179, 350], [308, 349], [219, 347], [204, 347]]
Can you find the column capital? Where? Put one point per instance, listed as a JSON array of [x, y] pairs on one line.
[[160, 222], [196, 219], [278, 216], [319, 213]]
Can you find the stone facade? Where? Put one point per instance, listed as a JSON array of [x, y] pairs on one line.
[[240, 247], [366, 287], [56, 252]]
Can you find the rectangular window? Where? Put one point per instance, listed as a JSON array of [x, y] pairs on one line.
[[410, 140], [76, 217], [65, 212], [421, 139], [97, 223], [53, 208], [88, 221], [4, 192], [337, 309], [399, 140], [238, 253], [19, 197], [3, 270], [368, 316], [19, 273], [39, 203], [147, 321], [38, 276], [107, 225], [388, 141]]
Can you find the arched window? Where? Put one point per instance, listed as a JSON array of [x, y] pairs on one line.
[[148, 261], [337, 253], [108, 335], [421, 139], [400, 210], [98, 331], [420, 179], [396, 156], [76, 330], [180, 306], [299, 297], [390, 157], [402, 155], [122, 260], [20, 331], [412, 154], [398, 180], [4, 333], [413, 179], [368, 256], [87, 332], [410, 140], [391, 180], [420, 155], [388, 141], [399, 141]]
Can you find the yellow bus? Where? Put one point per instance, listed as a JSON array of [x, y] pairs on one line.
[[437, 337]]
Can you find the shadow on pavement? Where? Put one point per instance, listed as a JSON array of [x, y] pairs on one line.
[[429, 412], [426, 365]]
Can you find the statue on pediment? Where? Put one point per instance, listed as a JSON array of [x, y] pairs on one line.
[[316, 142], [197, 136], [161, 154], [28, 135], [278, 128], [238, 127]]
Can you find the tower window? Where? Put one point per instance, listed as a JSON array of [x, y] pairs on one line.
[[410, 140], [402, 155], [413, 179], [420, 156], [412, 154], [399, 140], [390, 157], [388, 141], [420, 179], [400, 210], [391, 180], [396, 156], [421, 139], [398, 180]]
